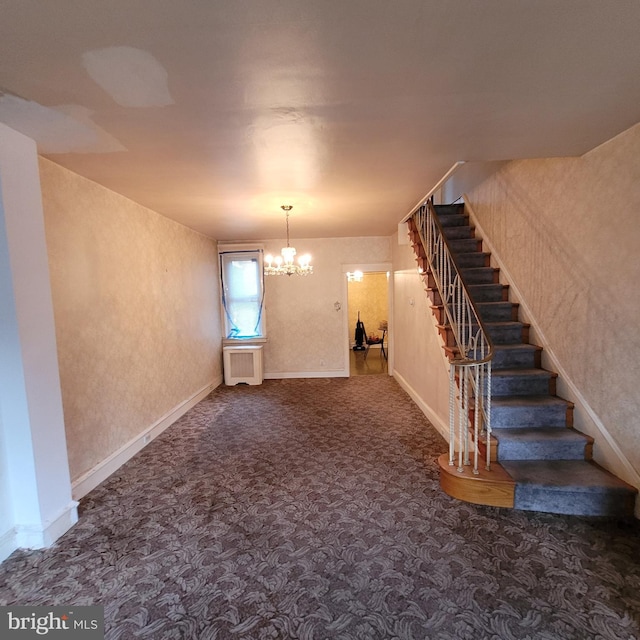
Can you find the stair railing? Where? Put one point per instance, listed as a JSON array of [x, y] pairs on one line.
[[470, 367]]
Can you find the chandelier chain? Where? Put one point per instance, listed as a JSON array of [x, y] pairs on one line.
[[287, 215]]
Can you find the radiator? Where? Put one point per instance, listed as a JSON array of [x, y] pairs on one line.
[[242, 364]]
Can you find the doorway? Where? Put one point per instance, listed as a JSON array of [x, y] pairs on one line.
[[368, 303]]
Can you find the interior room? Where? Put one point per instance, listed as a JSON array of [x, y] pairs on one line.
[[304, 497], [368, 304]]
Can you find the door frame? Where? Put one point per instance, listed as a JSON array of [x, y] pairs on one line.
[[375, 267]]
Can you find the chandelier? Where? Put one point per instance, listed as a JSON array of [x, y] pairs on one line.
[[284, 264]]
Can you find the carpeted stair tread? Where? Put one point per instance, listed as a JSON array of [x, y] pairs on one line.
[[533, 371], [569, 486], [479, 275], [521, 381], [459, 232], [528, 411], [474, 259], [541, 443], [497, 310], [558, 475], [465, 245], [449, 209], [505, 323], [515, 355], [454, 220], [505, 332]]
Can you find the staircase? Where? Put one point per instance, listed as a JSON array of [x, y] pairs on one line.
[[540, 463]]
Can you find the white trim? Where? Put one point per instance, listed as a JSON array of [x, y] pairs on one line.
[[629, 473], [232, 247], [60, 523], [41, 536], [335, 373], [226, 342], [375, 267], [441, 427], [8, 544], [346, 338], [92, 478], [38, 536]]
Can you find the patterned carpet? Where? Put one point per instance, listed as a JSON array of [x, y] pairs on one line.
[[310, 509]]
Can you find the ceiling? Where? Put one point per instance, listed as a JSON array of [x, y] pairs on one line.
[[216, 112]]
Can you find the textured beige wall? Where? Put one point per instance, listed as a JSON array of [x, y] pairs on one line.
[[370, 297], [419, 360], [136, 309], [567, 230], [305, 332]]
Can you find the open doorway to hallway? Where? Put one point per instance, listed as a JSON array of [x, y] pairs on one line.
[[368, 303]]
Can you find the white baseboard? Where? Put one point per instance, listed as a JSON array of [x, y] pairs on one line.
[[335, 373], [92, 478], [38, 535], [8, 544], [441, 426], [60, 523]]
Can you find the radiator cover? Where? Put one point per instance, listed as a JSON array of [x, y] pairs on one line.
[[243, 364]]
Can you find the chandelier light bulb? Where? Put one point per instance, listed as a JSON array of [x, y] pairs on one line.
[[288, 254]]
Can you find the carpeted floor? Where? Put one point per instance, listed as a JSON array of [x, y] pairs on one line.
[[311, 509]]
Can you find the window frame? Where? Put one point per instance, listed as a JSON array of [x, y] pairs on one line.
[[226, 253]]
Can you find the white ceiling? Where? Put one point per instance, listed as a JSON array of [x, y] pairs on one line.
[[216, 112]]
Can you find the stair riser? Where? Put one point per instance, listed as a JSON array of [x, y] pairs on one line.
[[439, 314], [527, 416], [516, 359], [466, 246], [449, 209], [542, 451], [508, 335], [472, 260], [419, 250], [483, 275], [502, 387], [429, 280], [414, 238], [609, 503], [492, 312], [522, 386], [498, 334], [454, 220], [499, 312], [434, 296], [458, 233], [422, 264], [488, 292]]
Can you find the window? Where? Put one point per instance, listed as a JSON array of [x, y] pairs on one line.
[[242, 293]]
